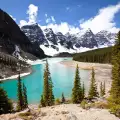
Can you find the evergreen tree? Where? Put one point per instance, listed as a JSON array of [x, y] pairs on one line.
[[63, 98], [25, 96], [115, 88], [77, 90], [20, 103], [93, 88], [48, 87], [5, 104], [83, 91], [103, 91], [42, 101], [51, 96]]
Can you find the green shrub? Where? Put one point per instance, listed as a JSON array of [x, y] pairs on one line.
[[69, 101], [83, 104], [114, 106], [115, 110], [101, 105], [43, 114], [87, 106], [25, 116], [57, 101]]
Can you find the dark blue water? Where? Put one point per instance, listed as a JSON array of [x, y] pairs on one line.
[[62, 77]]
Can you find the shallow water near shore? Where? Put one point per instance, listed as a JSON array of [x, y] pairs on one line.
[[62, 77]]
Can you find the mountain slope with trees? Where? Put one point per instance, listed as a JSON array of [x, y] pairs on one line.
[[102, 55]]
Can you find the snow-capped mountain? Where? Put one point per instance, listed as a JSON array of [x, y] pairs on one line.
[[54, 43], [87, 40], [105, 38], [34, 33]]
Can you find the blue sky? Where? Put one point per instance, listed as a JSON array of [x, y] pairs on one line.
[[66, 15]]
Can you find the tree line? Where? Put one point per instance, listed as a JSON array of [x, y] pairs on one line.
[[102, 55]]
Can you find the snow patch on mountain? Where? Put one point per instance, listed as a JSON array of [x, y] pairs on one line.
[[16, 53]]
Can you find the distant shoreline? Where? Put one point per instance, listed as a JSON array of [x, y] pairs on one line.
[[102, 72], [86, 65]]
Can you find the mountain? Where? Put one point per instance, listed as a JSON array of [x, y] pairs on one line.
[[105, 38], [34, 33], [87, 40], [15, 48], [55, 43], [12, 39]]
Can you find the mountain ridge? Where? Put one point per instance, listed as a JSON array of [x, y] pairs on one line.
[[53, 43]]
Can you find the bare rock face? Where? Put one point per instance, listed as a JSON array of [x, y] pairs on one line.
[[62, 112]]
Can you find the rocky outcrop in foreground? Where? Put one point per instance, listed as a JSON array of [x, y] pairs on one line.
[[61, 112]]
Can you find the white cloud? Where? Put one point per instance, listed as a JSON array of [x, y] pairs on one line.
[[13, 18], [104, 20], [67, 8], [23, 22], [50, 19], [53, 19], [81, 20], [79, 6], [32, 12], [39, 20], [46, 15], [64, 27]]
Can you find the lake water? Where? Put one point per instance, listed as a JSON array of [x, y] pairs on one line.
[[62, 77]]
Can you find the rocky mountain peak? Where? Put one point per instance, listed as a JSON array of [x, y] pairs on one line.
[[89, 30], [34, 33], [50, 35], [57, 41], [105, 38], [88, 33]]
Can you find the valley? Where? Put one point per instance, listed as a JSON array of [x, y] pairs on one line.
[[46, 74]]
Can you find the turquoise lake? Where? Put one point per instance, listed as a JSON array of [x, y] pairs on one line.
[[62, 77]]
